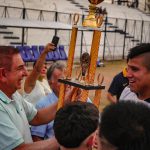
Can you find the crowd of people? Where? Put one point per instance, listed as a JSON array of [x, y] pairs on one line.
[[31, 120]]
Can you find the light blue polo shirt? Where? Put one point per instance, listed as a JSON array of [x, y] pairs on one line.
[[15, 114], [45, 131]]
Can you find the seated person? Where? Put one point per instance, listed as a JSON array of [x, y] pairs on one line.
[[125, 126], [75, 125]]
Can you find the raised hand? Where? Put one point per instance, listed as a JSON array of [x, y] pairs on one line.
[[49, 47]]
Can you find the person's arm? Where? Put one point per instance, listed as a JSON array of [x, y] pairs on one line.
[[33, 76], [111, 98], [50, 144], [45, 115]]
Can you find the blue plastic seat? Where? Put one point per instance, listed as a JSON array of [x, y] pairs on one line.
[[51, 56], [62, 52], [48, 57], [29, 54], [35, 52], [56, 54], [23, 54], [41, 48]]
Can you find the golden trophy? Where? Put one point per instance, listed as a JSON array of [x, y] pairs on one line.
[[88, 61], [92, 20]]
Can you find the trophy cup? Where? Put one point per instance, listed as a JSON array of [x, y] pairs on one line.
[[91, 20]]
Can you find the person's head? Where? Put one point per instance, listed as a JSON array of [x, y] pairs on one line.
[[43, 70], [125, 126], [12, 69], [138, 71], [54, 72], [75, 124]]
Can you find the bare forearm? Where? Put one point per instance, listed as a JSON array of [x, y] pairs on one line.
[[40, 62], [49, 47], [111, 98], [33, 76], [45, 115], [50, 144]]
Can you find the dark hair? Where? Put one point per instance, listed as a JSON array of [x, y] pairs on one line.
[[142, 49], [75, 122], [6, 54], [126, 125], [57, 65]]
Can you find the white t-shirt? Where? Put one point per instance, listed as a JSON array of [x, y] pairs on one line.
[[128, 95], [40, 90]]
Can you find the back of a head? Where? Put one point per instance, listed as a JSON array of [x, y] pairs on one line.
[[126, 125], [74, 123], [6, 54], [141, 50]]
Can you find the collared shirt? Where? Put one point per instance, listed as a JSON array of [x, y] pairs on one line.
[[45, 131], [128, 95], [15, 114]]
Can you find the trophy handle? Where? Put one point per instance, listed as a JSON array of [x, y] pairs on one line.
[[99, 20], [75, 18]]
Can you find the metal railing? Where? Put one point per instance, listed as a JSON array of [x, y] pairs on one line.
[[118, 35]]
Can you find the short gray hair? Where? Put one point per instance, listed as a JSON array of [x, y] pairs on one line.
[[57, 65]]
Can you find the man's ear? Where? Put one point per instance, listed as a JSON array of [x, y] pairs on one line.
[[2, 73]]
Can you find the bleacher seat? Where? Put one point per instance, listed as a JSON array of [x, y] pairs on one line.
[[23, 54], [31, 54], [35, 51], [48, 56], [55, 54], [62, 52]]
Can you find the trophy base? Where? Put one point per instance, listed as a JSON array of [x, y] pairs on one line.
[[90, 21], [81, 85]]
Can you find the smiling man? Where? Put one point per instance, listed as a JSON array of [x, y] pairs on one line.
[[15, 112], [138, 73]]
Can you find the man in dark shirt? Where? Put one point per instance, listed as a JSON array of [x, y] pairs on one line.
[[119, 82]]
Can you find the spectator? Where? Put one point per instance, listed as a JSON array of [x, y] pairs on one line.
[[125, 126], [16, 113], [75, 125], [138, 73], [118, 83], [35, 86], [54, 72]]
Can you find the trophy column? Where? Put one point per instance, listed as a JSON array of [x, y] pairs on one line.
[[88, 62], [69, 65], [92, 68]]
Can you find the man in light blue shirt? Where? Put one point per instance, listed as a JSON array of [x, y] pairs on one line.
[[54, 72], [15, 112]]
